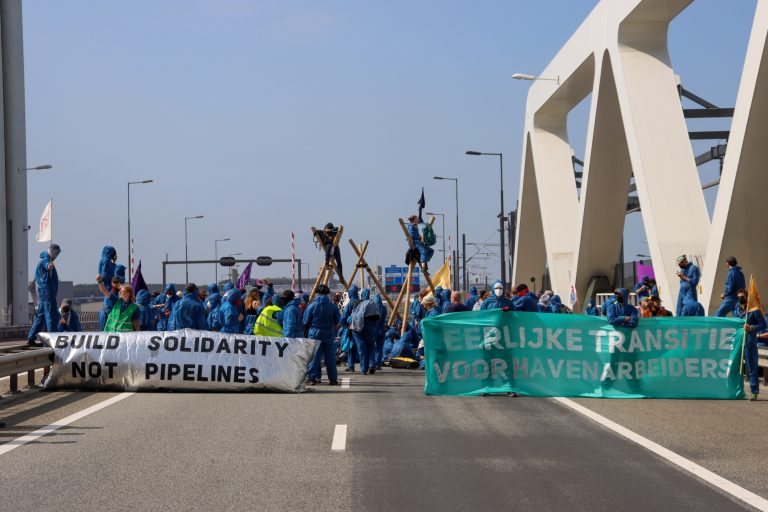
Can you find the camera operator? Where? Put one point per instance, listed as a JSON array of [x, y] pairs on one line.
[[70, 321], [327, 236]]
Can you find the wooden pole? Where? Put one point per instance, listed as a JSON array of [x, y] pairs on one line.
[[407, 307], [364, 264], [360, 252], [325, 275], [362, 275]]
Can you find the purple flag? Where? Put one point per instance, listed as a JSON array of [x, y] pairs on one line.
[[245, 276], [644, 270], [137, 281]]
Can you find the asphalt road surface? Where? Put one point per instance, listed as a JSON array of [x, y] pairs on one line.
[[402, 451]]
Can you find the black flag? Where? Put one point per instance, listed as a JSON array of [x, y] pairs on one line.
[[422, 204]]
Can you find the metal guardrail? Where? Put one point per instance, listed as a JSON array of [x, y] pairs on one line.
[[17, 360]]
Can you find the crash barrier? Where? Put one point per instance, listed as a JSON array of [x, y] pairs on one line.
[[185, 360], [541, 354], [17, 360]]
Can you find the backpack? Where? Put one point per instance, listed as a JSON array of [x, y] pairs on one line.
[[428, 236], [366, 309]]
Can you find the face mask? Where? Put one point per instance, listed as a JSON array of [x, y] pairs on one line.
[[498, 292], [619, 299], [742, 300]]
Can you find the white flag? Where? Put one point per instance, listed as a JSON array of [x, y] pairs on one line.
[[44, 233]]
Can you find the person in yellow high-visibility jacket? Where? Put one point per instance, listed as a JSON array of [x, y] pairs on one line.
[[268, 321]]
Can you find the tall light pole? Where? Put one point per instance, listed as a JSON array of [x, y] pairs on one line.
[[442, 221], [45, 167], [456, 182], [130, 263], [216, 257], [501, 213], [186, 246]]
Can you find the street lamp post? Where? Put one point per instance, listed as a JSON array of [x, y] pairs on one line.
[[456, 183], [45, 167], [130, 262], [216, 257], [443, 223], [186, 246], [501, 213]]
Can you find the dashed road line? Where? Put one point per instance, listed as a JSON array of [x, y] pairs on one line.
[[339, 438]]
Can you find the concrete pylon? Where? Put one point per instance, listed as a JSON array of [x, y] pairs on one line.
[[14, 239], [637, 129]]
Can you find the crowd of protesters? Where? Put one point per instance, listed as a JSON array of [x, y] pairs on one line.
[[356, 332]]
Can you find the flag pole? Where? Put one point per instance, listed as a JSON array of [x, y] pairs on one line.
[[744, 342]]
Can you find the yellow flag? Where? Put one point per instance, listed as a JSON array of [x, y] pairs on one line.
[[753, 301], [443, 276]]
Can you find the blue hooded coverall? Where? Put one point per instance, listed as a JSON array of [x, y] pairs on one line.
[[354, 299], [425, 253], [47, 281], [73, 325], [622, 314], [494, 302], [556, 305], [293, 324], [755, 324], [382, 330], [366, 339], [647, 289], [473, 297], [145, 319], [733, 283], [527, 302], [163, 322], [591, 309], [189, 313], [692, 308], [407, 344], [321, 317], [229, 311], [445, 299], [106, 265], [120, 272], [688, 288]]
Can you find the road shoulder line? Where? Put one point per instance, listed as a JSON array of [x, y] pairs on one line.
[[708, 476]]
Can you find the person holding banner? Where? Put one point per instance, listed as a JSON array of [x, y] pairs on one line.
[[525, 300], [750, 309], [47, 281], [321, 319], [621, 313], [497, 300]]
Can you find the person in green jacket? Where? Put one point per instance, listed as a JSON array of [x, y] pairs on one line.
[[125, 315]]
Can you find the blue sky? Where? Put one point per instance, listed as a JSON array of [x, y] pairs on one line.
[[269, 117]]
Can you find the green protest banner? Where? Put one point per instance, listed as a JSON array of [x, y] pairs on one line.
[[540, 354]]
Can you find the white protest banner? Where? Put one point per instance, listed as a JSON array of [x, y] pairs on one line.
[[44, 232], [185, 360]]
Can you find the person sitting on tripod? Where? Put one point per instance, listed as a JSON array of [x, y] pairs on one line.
[[425, 253], [326, 236]]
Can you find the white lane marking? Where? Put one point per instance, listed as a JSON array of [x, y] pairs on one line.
[[345, 383], [21, 441], [708, 476], [339, 438]]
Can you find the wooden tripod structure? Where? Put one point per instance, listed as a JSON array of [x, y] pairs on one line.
[[406, 290], [329, 267], [362, 264]]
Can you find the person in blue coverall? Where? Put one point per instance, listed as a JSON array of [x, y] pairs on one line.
[[165, 307], [70, 321], [470, 302], [293, 324], [230, 316], [591, 309], [621, 313], [754, 324], [525, 300], [734, 282], [353, 295], [120, 273], [644, 288], [212, 304], [146, 322], [425, 253], [47, 281], [391, 334], [689, 279], [556, 305], [445, 300], [497, 299], [107, 263], [189, 313], [379, 359], [366, 338], [692, 308], [407, 344], [607, 303], [321, 318]]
